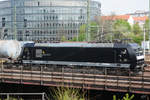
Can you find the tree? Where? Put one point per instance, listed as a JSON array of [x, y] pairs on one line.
[[82, 37], [137, 38], [137, 29], [82, 33], [121, 29], [93, 31], [146, 26], [83, 30], [63, 39], [106, 26], [137, 35]]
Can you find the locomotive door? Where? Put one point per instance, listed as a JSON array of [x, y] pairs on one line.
[[28, 53]]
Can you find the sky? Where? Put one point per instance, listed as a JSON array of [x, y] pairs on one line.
[[123, 6]]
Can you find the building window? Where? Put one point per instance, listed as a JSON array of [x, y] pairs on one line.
[[38, 3], [25, 22], [3, 22]]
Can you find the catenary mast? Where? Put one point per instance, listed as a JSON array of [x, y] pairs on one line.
[[88, 21]]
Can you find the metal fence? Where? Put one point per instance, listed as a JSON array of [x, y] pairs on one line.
[[23, 96], [96, 78]]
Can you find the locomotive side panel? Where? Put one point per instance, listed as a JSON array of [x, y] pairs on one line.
[[70, 54], [110, 57]]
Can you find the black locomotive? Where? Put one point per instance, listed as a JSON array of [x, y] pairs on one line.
[[120, 55]]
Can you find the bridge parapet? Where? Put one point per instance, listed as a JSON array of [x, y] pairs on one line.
[[78, 77]]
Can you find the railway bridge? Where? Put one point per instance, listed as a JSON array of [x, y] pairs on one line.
[[77, 77]]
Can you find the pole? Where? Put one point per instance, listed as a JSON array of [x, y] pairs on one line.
[[7, 96], [102, 33], [144, 42], [149, 25], [15, 33], [43, 96], [88, 21], [98, 32]]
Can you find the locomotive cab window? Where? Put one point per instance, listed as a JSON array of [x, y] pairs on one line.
[[27, 53], [139, 52]]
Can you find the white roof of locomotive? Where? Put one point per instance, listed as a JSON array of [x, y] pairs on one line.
[[75, 44]]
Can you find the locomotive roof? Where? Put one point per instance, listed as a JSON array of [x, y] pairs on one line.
[[73, 44]]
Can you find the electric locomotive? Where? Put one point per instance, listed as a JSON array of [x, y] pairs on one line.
[[111, 55]]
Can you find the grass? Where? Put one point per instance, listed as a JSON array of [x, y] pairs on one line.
[[61, 93], [126, 97]]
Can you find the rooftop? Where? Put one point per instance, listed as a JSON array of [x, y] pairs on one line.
[[124, 17]]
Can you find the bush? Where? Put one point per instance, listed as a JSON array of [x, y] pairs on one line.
[[62, 93], [126, 97]]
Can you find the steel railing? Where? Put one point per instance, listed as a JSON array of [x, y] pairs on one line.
[[79, 77], [21, 96]]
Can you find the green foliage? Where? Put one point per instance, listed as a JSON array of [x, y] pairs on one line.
[[83, 28], [137, 29], [94, 30], [67, 94], [74, 39], [82, 37], [146, 25], [114, 97], [63, 39], [82, 32], [126, 97], [121, 28], [137, 38], [137, 33]]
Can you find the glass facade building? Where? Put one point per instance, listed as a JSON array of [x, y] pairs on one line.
[[47, 20]]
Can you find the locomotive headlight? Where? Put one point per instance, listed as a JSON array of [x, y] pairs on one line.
[[139, 54], [140, 57]]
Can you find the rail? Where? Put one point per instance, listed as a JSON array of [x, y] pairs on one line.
[[78, 77]]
